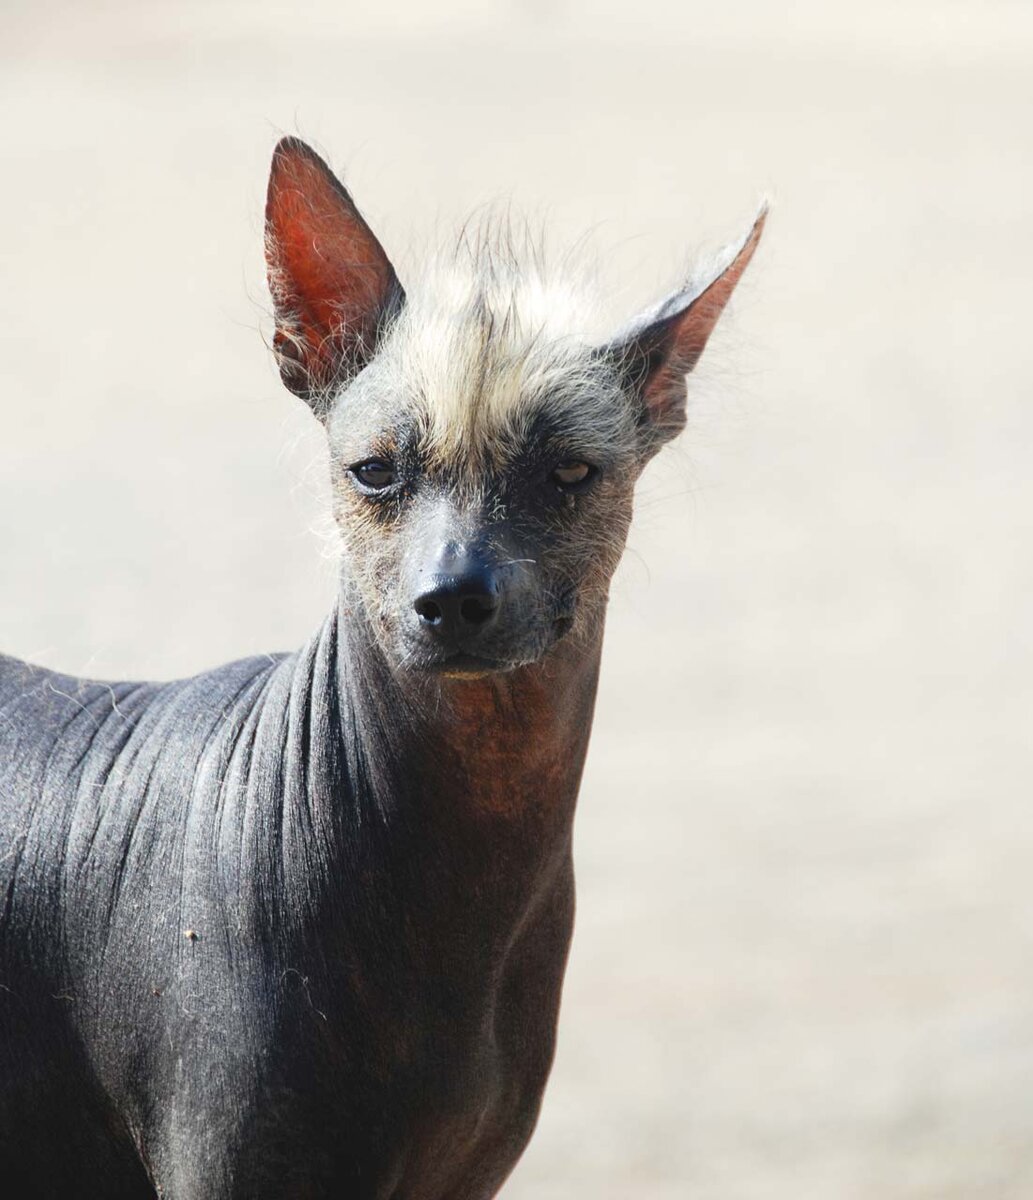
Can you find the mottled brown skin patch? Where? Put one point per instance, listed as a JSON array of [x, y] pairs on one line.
[[520, 738]]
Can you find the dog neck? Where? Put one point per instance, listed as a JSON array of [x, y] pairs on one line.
[[510, 744]]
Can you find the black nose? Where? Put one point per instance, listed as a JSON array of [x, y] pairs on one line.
[[459, 604]]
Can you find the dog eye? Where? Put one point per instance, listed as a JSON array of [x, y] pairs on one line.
[[374, 473], [571, 474]]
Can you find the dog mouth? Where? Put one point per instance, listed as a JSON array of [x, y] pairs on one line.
[[467, 663], [562, 626], [478, 657]]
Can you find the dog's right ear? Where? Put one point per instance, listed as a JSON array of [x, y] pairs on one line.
[[333, 287]]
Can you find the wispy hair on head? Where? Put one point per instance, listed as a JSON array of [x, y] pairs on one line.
[[496, 335]]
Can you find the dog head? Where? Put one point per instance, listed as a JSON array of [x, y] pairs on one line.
[[483, 451]]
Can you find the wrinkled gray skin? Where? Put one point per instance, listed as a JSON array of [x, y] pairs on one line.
[[263, 935], [296, 927]]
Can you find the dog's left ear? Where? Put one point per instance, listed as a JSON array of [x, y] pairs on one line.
[[660, 349], [334, 289]]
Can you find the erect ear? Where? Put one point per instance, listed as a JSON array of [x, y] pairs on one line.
[[333, 287], [660, 349]]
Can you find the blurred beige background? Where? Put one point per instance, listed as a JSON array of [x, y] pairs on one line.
[[804, 958]]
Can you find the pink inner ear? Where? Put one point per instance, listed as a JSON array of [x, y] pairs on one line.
[[328, 274]]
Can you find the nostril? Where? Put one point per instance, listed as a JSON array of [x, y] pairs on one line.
[[475, 610], [429, 611]]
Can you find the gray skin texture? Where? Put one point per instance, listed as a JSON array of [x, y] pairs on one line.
[[296, 927], [270, 931]]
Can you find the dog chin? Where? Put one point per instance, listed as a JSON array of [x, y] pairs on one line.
[[468, 666]]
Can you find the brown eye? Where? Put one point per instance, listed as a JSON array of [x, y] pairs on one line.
[[571, 474], [375, 473]]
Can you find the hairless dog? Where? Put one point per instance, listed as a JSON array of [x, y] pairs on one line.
[[297, 927]]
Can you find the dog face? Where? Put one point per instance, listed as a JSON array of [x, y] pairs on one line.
[[483, 451], [476, 545]]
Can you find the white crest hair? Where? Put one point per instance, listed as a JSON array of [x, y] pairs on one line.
[[490, 337]]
